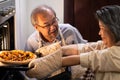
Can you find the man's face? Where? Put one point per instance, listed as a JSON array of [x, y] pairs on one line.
[[47, 25]]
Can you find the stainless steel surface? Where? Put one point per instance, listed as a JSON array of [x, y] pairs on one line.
[[7, 9]]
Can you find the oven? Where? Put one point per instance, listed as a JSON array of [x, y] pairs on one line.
[[7, 26]]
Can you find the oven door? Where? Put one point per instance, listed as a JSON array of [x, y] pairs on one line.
[[4, 36]]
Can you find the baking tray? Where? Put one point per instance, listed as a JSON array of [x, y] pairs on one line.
[[18, 68]]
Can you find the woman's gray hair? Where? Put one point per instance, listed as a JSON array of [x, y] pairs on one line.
[[40, 10], [110, 16]]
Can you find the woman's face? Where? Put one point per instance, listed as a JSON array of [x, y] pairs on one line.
[[106, 35]]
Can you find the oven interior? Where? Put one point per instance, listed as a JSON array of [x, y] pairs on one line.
[[7, 13]]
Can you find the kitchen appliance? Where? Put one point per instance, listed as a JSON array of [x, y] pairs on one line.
[[7, 14], [7, 40]]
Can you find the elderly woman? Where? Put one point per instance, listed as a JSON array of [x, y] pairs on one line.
[[103, 57]]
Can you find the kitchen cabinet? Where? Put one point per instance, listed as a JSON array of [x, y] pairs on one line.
[[80, 13]]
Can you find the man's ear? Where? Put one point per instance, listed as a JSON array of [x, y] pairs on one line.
[[35, 26]]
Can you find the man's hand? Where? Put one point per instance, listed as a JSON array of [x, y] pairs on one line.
[[42, 67]]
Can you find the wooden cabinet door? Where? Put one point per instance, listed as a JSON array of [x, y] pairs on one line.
[[80, 13]]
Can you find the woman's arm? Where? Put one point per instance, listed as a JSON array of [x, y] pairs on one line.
[[71, 60], [70, 50]]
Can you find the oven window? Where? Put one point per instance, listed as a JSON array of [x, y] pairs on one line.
[[4, 36]]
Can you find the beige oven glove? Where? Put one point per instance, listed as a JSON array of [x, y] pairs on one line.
[[44, 66], [43, 51]]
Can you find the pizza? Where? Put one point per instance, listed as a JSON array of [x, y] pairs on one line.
[[16, 56]]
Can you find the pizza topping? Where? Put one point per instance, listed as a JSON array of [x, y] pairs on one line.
[[16, 55]]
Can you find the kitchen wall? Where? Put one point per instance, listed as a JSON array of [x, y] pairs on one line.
[[22, 19]]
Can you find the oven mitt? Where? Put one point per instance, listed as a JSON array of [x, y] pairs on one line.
[[45, 66], [43, 51]]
